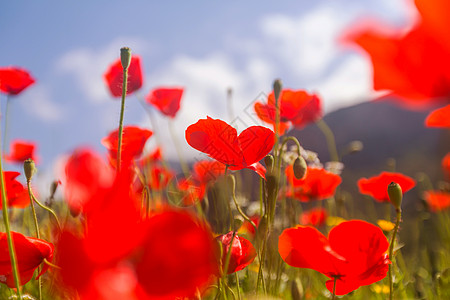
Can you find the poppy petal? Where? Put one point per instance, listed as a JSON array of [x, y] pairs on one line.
[[256, 142], [439, 117], [14, 80], [166, 100]]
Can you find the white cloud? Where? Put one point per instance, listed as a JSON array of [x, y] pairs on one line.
[[39, 105], [88, 66]]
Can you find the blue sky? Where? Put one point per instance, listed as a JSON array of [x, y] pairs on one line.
[[205, 46]]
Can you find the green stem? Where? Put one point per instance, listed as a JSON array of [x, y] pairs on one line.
[[47, 209], [38, 234], [285, 140], [5, 137], [238, 285], [334, 288], [122, 110], [329, 136], [12, 252], [391, 253]]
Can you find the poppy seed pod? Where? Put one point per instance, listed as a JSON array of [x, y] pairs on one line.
[[125, 57], [300, 167], [395, 195], [29, 169], [277, 87]]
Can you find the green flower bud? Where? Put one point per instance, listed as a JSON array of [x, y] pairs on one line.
[[29, 169], [395, 195], [125, 57], [238, 221], [277, 87], [300, 168], [268, 160]]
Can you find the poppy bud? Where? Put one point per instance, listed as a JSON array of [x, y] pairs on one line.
[[395, 195], [29, 169], [53, 187], [125, 57], [300, 167], [277, 86], [355, 146], [268, 160]]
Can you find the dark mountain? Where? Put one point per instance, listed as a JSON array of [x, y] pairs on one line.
[[389, 134]]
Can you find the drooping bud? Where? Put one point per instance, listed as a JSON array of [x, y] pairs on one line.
[[277, 87], [395, 195], [29, 169], [268, 160], [125, 57], [300, 168]]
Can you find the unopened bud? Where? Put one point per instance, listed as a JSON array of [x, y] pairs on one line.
[[395, 194], [355, 146], [277, 87], [268, 160], [300, 168], [125, 57], [53, 187], [29, 169]]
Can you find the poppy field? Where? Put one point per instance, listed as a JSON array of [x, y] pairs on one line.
[[259, 216]]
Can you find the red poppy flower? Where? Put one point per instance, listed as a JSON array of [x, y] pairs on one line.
[[242, 252], [413, 65], [296, 107], [154, 157], [133, 142], [377, 186], [14, 80], [314, 217], [114, 77], [179, 257], [318, 184], [15, 192], [30, 253], [21, 151], [221, 142], [446, 164], [87, 177], [437, 200], [354, 253], [166, 100], [439, 117]]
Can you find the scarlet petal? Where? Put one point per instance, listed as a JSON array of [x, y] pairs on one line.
[[133, 142], [377, 186], [242, 252], [180, 256], [114, 76], [14, 80], [315, 217], [365, 247], [217, 139], [439, 117], [30, 253], [21, 151], [318, 184], [167, 100], [87, 177], [437, 200], [17, 195], [306, 247], [256, 142]]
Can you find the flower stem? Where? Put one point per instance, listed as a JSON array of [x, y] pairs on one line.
[[391, 253], [329, 136], [122, 110], [38, 235], [334, 288], [12, 253]]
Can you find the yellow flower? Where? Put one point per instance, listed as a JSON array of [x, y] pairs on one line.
[[385, 225]]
